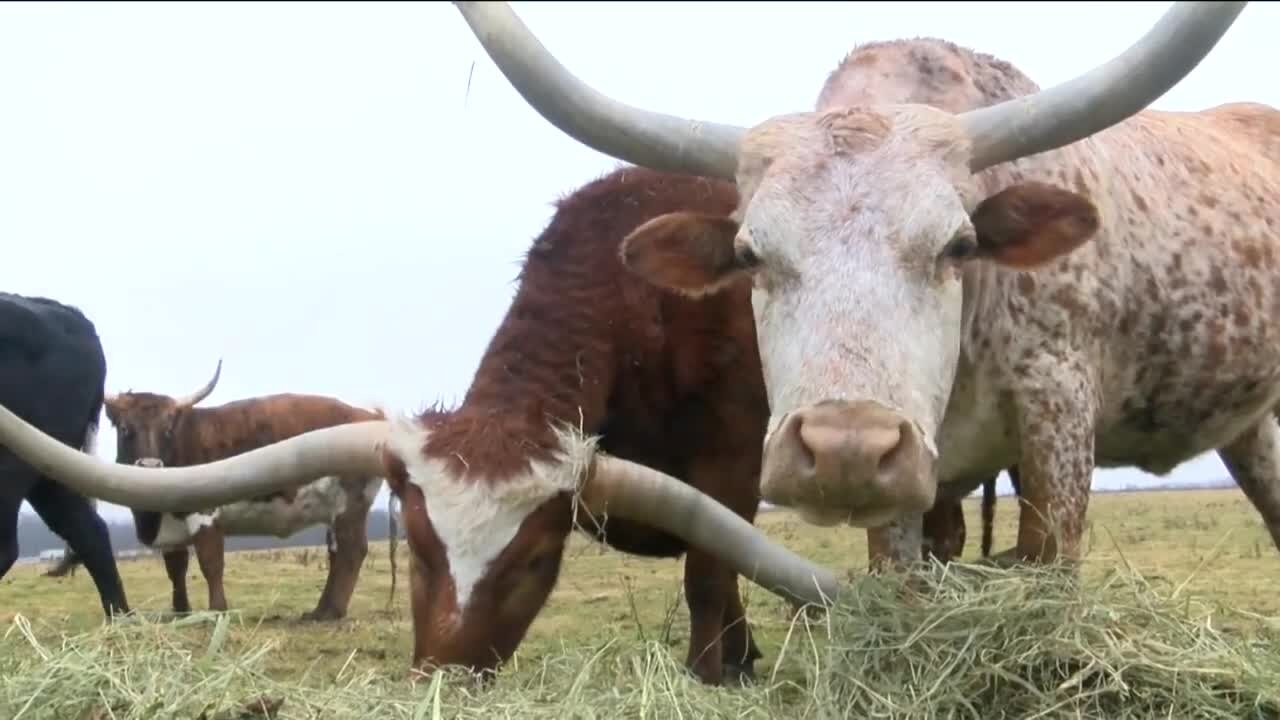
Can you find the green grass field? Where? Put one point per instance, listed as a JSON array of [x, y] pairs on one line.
[[1212, 539]]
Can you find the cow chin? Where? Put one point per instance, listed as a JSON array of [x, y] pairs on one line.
[[854, 462], [830, 517]]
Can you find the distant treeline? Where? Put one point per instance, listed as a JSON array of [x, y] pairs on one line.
[[34, 537]]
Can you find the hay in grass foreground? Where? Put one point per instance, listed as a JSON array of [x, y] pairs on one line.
[[959, 642]]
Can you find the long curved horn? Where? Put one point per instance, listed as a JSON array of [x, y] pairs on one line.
[[202, 393], [654, 140], [1104, 96], [341, 449], [640, 493]]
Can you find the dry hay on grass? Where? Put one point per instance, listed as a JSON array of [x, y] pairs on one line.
[[960, 642]]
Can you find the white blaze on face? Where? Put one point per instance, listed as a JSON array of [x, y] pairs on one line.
[[850, 299], [475, 519]]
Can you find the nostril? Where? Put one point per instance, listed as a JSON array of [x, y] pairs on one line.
[[897, 452], [806, 462]]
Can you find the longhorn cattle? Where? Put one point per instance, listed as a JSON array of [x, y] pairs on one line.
[[1059, 281], [979, 323], [155, 430], [52, 371], [664, 380]]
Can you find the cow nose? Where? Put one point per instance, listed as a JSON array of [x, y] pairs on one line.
[[149, 463], [860, 463]]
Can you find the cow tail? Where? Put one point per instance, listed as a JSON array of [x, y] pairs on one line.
[[393, 541]]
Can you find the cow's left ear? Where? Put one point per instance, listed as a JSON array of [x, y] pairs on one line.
[[1031, 223]]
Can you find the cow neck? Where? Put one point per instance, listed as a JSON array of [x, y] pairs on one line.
[[550, 362]]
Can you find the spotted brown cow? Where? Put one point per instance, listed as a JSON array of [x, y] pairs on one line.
[[1059, 281], [155, 430]]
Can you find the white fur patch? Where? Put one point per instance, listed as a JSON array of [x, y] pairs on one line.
[[475, 519], [178, 532]]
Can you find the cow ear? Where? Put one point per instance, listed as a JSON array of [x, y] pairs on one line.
[[1031, 223], [689, 253]]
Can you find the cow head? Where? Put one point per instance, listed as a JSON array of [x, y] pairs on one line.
[[486, 547], [858, 388], [145, 422], [146, 425], [857, 225]]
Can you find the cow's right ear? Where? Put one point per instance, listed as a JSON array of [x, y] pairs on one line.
[[686, 252]]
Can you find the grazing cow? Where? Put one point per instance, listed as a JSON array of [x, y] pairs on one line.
[[52, 371], [665, 380], [1059, 281], [883, 334], [160, 431]]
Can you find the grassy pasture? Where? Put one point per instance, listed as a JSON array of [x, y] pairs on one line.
[[611, 639]]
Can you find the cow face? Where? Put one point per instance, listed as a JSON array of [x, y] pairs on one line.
[[146, 423], [486, 551], [145, 427], [857, 228]]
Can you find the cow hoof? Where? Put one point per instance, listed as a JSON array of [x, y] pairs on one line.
[[1005, 560], [321, 615], [738, 675]]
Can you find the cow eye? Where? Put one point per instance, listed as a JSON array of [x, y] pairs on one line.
[[745, 256], [961, 247]]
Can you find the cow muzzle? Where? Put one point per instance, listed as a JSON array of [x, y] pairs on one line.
[[854, 462]]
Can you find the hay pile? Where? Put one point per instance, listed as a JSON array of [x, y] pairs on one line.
[[963, 642]]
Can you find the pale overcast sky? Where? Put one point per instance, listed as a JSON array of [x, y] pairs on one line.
[[334, 197]]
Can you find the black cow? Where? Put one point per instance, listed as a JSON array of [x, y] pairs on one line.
[[53, 374]]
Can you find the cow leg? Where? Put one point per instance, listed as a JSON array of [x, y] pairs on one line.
[[72, 517], [66, 566], [943, 531], [331, 546], [705, 584], [1055, 470], [10, 506], [347, 552], [1253, 460], [740, 649], [897, 544], [720, 638], [209, 547], [175, 566]]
